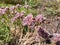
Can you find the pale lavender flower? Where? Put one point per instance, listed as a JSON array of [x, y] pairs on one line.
[[56, 37], [40, 18], [2, 11], [22, 13], [32, 25], [18, 5], [17, 15], [13, 19], [27, 20], [12, 8]]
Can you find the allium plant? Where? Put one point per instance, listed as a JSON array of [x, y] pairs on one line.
[[2, 11], [17, 15], [12, 8], [27, 20], [39, 18], [18, 6]]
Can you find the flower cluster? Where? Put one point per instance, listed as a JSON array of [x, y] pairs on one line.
[[2, 11], [29, 19], [12, 9], [39, 18], [56, 37], [17, 15]]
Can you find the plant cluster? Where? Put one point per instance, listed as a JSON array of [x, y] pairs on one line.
[[20, 24]]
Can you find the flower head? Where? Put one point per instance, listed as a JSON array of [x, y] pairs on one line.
[[17, 15], [12, 8], [18, 5], [56, 37], [39, 18], [2, 11], [27, 20], [22, 13]]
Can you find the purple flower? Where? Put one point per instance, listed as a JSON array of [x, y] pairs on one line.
[[12, 8], [22, 13], [32, 25], [27, 20], [13, 19], [2, 11], [56, 37], [17, 15], [18, 5], [39, 18]]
